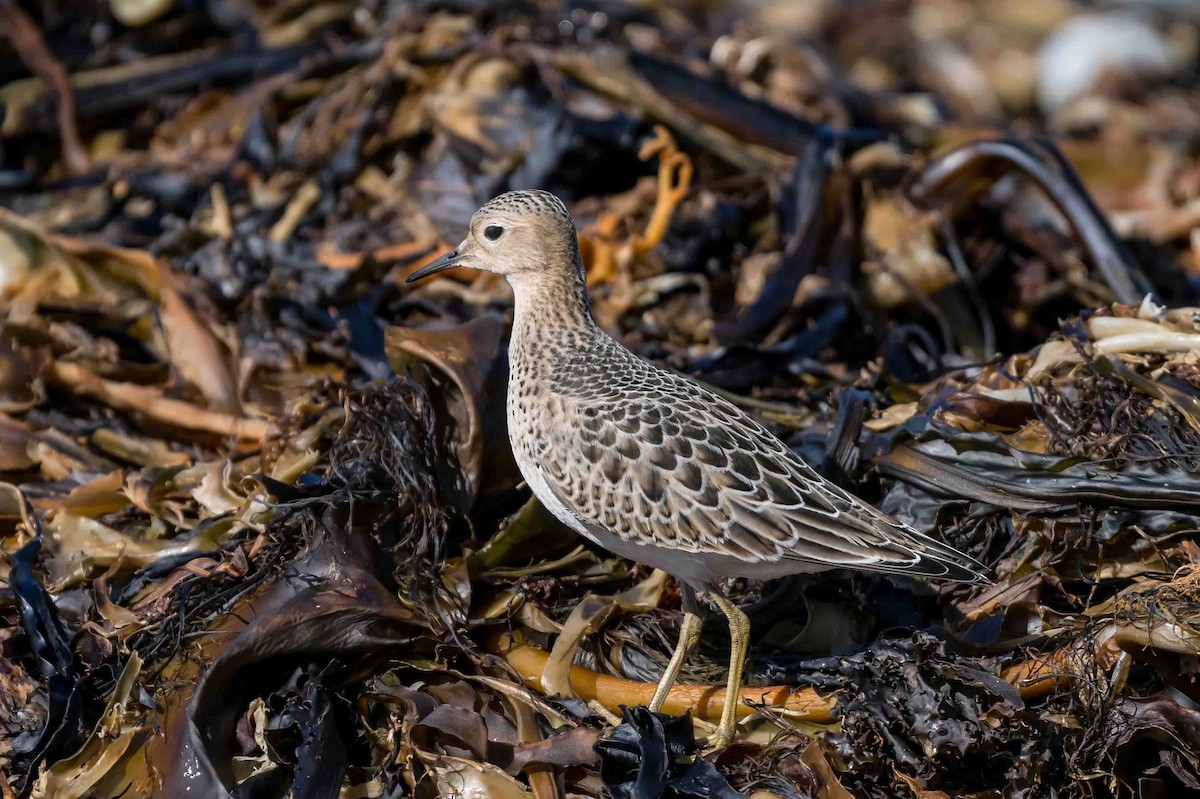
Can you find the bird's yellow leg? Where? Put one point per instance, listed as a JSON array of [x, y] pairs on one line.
[[739, 640], [689, 634]]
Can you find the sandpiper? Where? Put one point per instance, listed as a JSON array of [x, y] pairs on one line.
[[654, 467]]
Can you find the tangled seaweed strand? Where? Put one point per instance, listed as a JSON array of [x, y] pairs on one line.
[[1101, 418], [199, 599], [393, 480]]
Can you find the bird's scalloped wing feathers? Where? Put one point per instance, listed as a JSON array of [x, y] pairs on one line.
[[669, 464]]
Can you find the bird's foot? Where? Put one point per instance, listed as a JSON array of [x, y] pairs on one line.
[[721, 738]]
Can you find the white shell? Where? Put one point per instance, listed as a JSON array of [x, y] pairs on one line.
[[1077, 55]]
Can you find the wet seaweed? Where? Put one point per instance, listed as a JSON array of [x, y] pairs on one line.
[[261, 530]]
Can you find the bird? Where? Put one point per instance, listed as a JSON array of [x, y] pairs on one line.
[[654, 467]]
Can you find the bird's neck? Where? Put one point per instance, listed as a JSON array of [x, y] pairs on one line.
[[552, 314], [553, 298]]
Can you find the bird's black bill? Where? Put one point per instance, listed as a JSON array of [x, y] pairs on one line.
[[447, 261]]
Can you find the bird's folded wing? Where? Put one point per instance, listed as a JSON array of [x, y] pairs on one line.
[[676, 466]]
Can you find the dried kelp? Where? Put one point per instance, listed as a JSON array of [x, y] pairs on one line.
[[261, 529]]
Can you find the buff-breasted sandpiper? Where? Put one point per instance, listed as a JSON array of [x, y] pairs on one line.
[[652, 466]]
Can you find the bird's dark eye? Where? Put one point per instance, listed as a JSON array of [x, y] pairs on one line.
[[493, 232]]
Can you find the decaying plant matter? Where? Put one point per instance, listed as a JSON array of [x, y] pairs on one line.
[[260, 530]]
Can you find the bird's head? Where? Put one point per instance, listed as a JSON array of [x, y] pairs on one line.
[[518, 234]]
